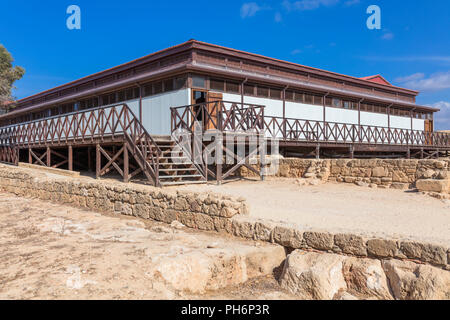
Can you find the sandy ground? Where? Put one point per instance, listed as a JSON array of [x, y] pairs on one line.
[[337, 207], [50, 251]]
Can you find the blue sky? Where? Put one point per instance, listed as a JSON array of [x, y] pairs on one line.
[[412, 49]]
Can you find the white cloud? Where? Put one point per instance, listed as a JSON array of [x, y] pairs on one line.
[[305, 5], [249, 9], [445, 59], [418, 81], [351, 2], [388, 36], [296, 51], [278, 17], [442, 118], [413, 77]]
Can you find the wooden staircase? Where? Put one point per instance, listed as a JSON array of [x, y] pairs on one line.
[[174, 168]]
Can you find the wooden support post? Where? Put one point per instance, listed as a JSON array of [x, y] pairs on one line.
[[262, 151], [317, 151], [89, 157], [352, 153], [408, 153], [98, 161], [219, 173], [70, 158], [30, 157], [49, 157], [126, 170], [421, 153]]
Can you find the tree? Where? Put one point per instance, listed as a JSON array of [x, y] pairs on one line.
[[8, 75]]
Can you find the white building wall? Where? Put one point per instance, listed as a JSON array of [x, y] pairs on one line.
[[340, 115], [134, 106], [304, 111], [400, 122], [374, 119], [156, 110], [419, 124]]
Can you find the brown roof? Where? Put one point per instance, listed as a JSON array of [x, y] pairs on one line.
[[377, 79], [203, 45]]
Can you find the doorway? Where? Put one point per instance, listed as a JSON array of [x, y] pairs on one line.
[[207, 121]]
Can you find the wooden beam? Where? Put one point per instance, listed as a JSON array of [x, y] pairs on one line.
[[126, 169], [70, 156], [49, 157], [98, 160], [111, 161]]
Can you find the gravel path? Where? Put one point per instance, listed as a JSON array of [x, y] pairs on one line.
[[337, 207]]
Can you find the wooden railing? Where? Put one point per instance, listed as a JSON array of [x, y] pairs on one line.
[[91, 126], [219, 115], [289, 129]]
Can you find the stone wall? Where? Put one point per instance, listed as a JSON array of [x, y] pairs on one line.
[[399, 174], [113, 197], [341, 243], [209, 212]]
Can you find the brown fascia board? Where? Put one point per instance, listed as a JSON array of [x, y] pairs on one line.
[[175, 69], [291, 65], [181, 48], [131, 64], [243, 75], [218, 49]]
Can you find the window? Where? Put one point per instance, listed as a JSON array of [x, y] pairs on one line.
[[198, 82], [262, 92], [215, 84], [346, 104], [148, 90], [299, 97], [121, 96], [336, 103], [289, 95], [232, 87], [318, 100], [249, 89], [168, 85], [131, 93], [328, 102], [179, 83], [157, 87], [309, 99], [275, 93]]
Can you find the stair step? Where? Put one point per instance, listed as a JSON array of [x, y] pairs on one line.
[[173, 183], [174, 158], [170, 166], [178, 169], [182, 176]]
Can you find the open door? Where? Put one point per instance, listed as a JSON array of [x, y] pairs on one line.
[[428, 130], [198, 98], [212, 108]]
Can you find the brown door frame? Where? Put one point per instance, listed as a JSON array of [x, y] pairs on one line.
[[193, 100]]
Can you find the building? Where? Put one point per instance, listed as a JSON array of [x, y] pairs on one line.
[[307, 108]]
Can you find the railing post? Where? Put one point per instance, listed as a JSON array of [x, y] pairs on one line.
[[126, 169], [97, 161], [70, 158], [49, 157]]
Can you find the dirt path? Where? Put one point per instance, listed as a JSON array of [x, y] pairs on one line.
[[51, 251], [344, 208]]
